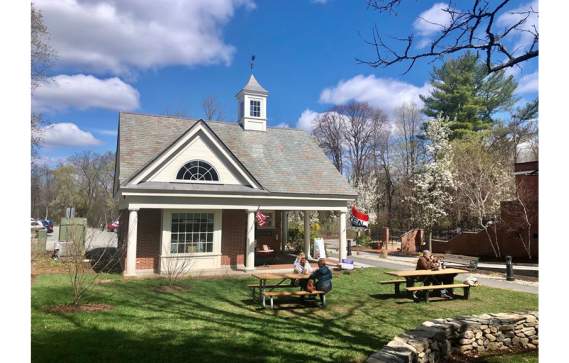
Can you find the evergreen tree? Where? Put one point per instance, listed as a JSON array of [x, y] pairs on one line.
[[467, 96]]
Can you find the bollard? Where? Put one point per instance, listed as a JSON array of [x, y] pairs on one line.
[[509, 269], [349, 247]]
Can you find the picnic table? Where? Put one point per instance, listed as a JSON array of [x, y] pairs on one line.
[[445, 276], [266, 290]]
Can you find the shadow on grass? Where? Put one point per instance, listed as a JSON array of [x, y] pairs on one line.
[[219, 328]]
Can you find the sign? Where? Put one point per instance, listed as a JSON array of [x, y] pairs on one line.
[[359, 218], [347, 264], [319, 251]]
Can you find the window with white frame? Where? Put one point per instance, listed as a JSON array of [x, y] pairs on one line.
[[255, 108], [191, 233], [198, 170]]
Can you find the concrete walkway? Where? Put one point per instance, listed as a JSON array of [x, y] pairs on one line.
[[407, 263]]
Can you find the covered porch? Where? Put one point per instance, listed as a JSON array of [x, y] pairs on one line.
[[214, 231]]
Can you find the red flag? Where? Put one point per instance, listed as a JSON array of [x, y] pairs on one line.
[[261, 218], [359, 218]]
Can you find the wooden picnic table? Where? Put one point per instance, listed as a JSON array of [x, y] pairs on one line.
[[263, 277], [445, 275]]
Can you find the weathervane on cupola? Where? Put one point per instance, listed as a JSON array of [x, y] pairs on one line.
[[252, 63], [252, 104]]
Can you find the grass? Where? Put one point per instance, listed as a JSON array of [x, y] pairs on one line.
[[216, 321]]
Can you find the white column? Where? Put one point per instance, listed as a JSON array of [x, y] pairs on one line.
[[130, 269], [342, 253], [285, 229], [307, 234], [250, 247]]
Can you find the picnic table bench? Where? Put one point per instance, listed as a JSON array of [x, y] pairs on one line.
[[267, 290], [446, 276], [467, 261], [396, 284], [427, 289], [274, 294]]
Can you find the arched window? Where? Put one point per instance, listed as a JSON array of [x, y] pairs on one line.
[[198, 170]]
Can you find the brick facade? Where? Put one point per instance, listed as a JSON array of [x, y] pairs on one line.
[[270, 236], [233, 237], [148, 237]]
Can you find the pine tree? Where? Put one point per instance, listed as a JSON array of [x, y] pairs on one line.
[[464, 93]]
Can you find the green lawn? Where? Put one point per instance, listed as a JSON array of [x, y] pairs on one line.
[[215, 321]]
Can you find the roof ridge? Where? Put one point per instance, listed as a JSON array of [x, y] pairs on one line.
[[233, 123]]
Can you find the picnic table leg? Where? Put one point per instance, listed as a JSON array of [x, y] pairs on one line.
[[397, 289], [409, 282], [466, 292]]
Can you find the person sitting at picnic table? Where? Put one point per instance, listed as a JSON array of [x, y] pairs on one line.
[[322, 277], [428, 262], [301, 265]]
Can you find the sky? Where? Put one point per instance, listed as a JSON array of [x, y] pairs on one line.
[[167, 56]]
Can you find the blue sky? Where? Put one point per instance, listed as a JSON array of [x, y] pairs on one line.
[[167, 56]]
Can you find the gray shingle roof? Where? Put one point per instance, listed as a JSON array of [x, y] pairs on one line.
[[254, 86], [281, 160]]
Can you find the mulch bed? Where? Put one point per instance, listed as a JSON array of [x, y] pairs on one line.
[[84, 308], [461, 358]]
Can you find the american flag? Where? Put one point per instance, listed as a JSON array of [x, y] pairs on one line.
[[261, 218]]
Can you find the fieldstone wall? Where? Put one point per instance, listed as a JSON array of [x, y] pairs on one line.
[[436, 340]]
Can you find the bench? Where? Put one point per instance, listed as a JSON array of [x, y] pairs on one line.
[[468, 261], [256, 286], [395, 283], [429, 288], [275, 294]]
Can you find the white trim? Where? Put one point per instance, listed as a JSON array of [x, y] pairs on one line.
[[166, 233], [241, 196], [170, 151]]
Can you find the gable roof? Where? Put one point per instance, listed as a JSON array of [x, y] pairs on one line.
[[281, 160], [198, 126]]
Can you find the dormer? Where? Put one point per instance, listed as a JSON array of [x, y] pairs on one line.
[[252, 106]]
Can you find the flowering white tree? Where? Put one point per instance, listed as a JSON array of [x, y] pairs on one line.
[[434, 184]]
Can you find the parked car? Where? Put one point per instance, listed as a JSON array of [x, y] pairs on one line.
[[113, 227], [48, 224], [37, 225]]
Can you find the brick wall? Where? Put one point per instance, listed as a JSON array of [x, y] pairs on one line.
[[270, 237], [148, 237], [233, 237]]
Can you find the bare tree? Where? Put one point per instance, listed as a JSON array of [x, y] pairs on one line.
[[175, 268], [211, 109], [522, 214], [329, 132], [41, 57], [383, 162], [358, 131], [85, 267], [483, 180], [408, 122], [476, 28]]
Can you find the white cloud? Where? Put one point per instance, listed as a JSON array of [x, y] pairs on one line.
[[432, 20], [384, 93], [106, 132], [522, 36], [84, 91], [117, 35], [306, 120], [66, 134], [321, 2], [528, 83], [283, 125]]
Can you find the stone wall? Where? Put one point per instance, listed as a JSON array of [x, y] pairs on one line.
[[436, 340]]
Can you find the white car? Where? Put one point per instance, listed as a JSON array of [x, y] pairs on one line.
[[36, 225]]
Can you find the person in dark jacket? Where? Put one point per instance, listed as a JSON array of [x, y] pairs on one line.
[[428, 262], [322, 277]]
